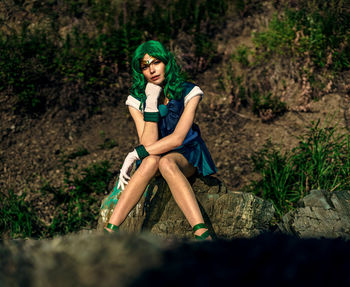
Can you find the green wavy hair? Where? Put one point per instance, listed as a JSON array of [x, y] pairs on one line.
[[173, 80]]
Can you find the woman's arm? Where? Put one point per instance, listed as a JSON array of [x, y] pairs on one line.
[[176, 139], [146, 131]]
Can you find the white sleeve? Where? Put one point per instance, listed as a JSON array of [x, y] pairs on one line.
[[196, 91], [133, 102]]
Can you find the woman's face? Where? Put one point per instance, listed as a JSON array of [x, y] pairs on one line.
[[153, 69]]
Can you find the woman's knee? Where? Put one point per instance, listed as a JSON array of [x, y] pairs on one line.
[[149, 164], [167, 166]]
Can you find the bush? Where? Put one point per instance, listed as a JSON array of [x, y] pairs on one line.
[[320, 161], [267, 107], [17, 217], [88, 55], [77, 205], [78, 202], [317, 29]]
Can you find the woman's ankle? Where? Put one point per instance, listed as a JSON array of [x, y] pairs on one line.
[[201, 232], [111, 228]]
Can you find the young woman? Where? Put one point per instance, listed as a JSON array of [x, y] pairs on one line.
[[169, 140]]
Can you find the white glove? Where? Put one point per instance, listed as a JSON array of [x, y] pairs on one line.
[[124, 175], [152, 92]]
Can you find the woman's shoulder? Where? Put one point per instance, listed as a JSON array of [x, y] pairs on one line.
[[190, 91]]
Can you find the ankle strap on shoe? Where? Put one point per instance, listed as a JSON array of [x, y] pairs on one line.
[[199, 226], [113, 227], [203, 236]]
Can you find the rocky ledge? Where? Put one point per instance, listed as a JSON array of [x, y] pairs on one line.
[[228, 214], [123, 260]]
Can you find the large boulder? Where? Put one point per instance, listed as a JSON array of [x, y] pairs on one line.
[[228, 214], [85, 259], [126, 260], [321, 214]]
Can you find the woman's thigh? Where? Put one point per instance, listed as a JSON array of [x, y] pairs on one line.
[[174, 157]]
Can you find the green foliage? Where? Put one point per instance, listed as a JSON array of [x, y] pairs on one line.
[[77, 205], [89, 55], [66, 158], [242, 55], [80, 152], [267, 105], [234, 82], [246, 7], [17, 216], [320, 161], [26, 63], [317, 29], [108, 144]]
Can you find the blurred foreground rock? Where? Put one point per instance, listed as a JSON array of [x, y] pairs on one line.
[[145, 260], [228, 214], [321, 214], [84, 259]]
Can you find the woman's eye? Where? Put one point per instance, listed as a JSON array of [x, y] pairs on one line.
[[157, 61]]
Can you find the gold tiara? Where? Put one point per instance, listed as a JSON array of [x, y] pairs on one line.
[[147, 62]]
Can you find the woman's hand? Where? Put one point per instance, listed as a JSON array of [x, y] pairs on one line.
[[152, 92], [124, 175]]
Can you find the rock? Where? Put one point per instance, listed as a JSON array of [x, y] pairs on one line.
[[228, 214], [91, 259], [272, 260], [86, 259], [321, 214]]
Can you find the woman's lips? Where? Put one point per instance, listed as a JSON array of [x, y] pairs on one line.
[[155, 78]]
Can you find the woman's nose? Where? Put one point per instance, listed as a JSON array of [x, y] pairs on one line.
[[151, 69]]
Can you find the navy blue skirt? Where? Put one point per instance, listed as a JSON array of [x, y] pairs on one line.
[[197, 154]]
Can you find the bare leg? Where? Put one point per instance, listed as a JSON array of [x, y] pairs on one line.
[[175, 169], [135, 188]]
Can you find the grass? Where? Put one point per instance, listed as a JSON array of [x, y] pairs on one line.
[[243, 92], [320, 161], [94, 53], [17, 217], [78, 201], [267, 106], [317, 30], [77, 205]]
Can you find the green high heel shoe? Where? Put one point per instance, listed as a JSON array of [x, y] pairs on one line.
[[112, 227], [204, 235]]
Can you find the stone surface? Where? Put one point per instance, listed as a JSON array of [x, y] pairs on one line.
[[87, 259], [321, 214], [92, 259], [228, 214]]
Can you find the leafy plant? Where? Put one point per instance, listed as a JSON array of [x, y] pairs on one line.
[[78, 202], [17, 216], [267, 106], [320, 161], [80, 152], [88, 56], [317, 29], [242, 55], [108, 144], [77, 205]]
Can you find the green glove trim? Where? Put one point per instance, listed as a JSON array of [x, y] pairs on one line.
[[151, 117], [141, 152]]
